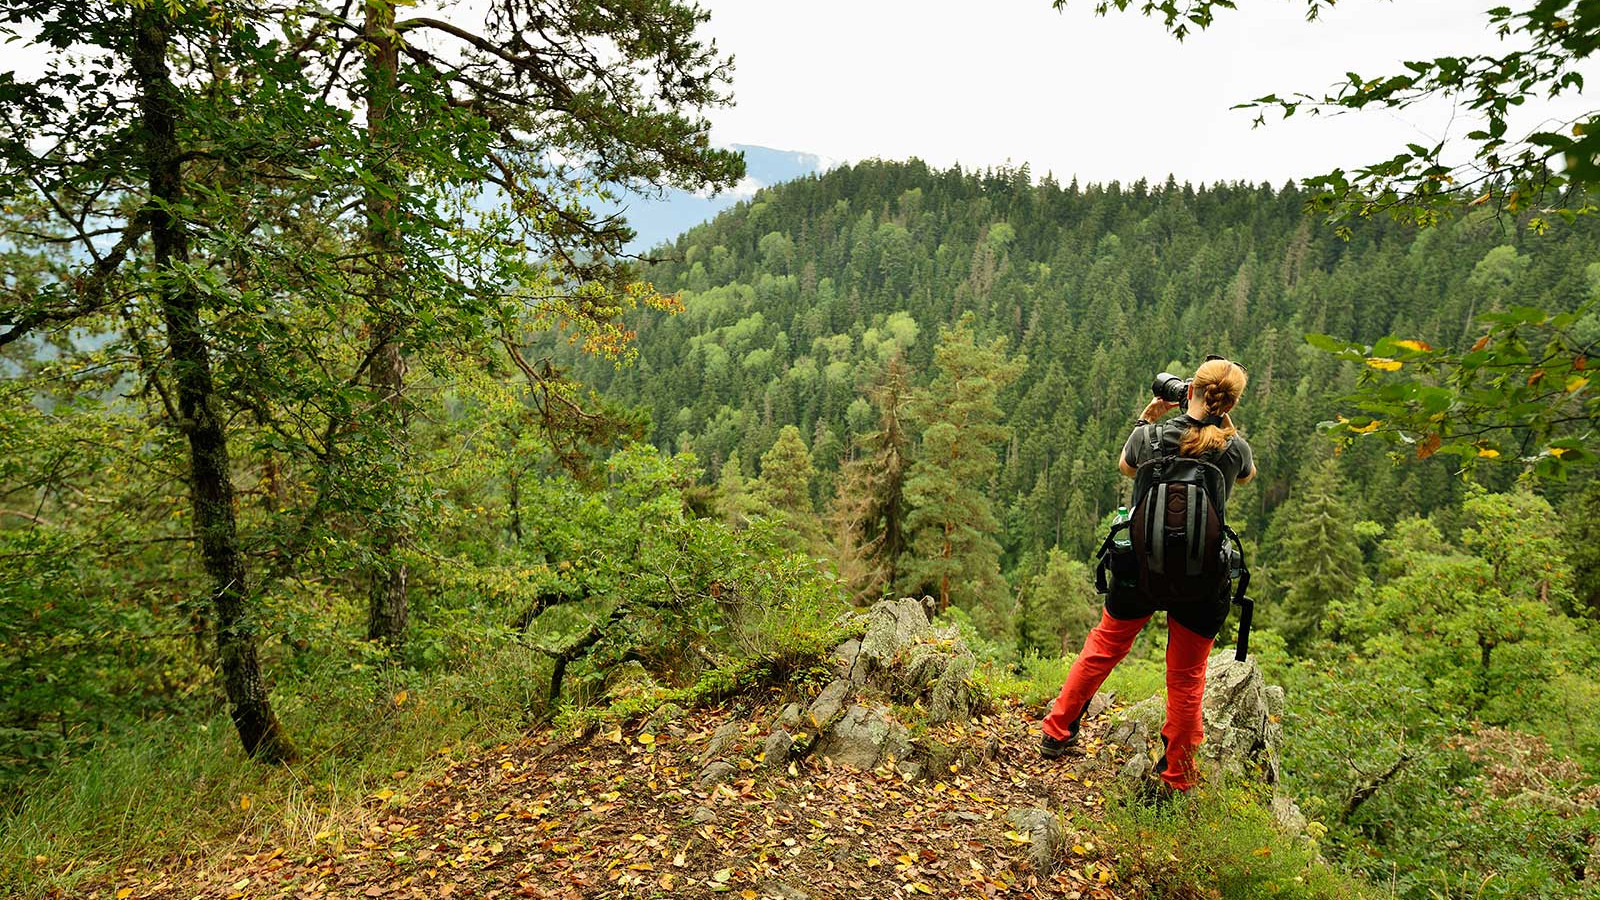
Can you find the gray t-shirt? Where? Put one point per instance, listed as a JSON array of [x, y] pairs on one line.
[[1235, 460]]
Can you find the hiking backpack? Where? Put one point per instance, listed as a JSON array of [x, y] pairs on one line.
[[1175, 546]]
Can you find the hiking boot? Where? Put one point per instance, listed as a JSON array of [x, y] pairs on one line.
[[1055, 748]]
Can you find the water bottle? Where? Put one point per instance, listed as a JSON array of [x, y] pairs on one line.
[[1123, 540]]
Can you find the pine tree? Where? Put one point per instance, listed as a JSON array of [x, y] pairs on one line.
[[1319, 557], [952, 522], [786, 473], [1581, 526], [785, 488], [869, 508]]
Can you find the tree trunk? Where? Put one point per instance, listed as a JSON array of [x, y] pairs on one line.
[[210, 482], [388, 606]]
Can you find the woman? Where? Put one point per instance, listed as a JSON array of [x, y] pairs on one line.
[[1206, 431]]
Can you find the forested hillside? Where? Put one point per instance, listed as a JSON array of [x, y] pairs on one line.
[[795, 303]]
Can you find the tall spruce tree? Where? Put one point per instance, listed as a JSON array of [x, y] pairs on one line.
[[1319, 557], [952, 523], [785, 487], [1581, 527], [868, 511]]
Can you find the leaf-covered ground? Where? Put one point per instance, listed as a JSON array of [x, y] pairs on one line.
[[620, 814]]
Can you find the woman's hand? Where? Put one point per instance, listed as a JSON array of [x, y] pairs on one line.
[[1156, 409]]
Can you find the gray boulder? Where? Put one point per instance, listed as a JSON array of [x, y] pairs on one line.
[[942, 672], [775, 754], [1099, 703], [845, 658], [1288, 815], [1044, 834], [866, 737], [790, 717], [717, 773], [828, 703], [892, 627], [1242, 719], [664, 715], [722, 740]]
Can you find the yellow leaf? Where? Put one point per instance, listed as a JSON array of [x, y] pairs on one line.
[[1015, 838], [1384, 363], [1262, 851], [1078, 849], [748, 894], [241, 884], [1489, 452], [1368, 428], [244, 801], [873, 862], [124, 893], [615, 736], [722, 875], [1419, 346], [1558, 452], [1576, 382], [647, 739], [918, 887]]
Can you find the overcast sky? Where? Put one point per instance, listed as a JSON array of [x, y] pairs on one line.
[[982, 82]]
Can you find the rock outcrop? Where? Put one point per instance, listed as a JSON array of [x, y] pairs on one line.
[[901, 658], [866, 737], [1242, 716], [1241, 712]]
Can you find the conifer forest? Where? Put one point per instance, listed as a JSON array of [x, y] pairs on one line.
[[378, 519]]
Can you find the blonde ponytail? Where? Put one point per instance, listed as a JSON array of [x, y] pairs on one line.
[[1218, 383]]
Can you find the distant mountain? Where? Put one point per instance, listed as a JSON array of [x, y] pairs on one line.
[[660, 221]]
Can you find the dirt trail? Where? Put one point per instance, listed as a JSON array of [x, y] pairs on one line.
[[621, 815]]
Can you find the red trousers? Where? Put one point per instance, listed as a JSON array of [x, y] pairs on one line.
[[1106, 645]]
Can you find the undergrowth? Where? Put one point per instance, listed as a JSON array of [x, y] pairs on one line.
[[171, 788], [1220, 843]]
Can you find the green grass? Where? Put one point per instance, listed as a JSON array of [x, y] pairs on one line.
[[1134, 679], [1221, 843]]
